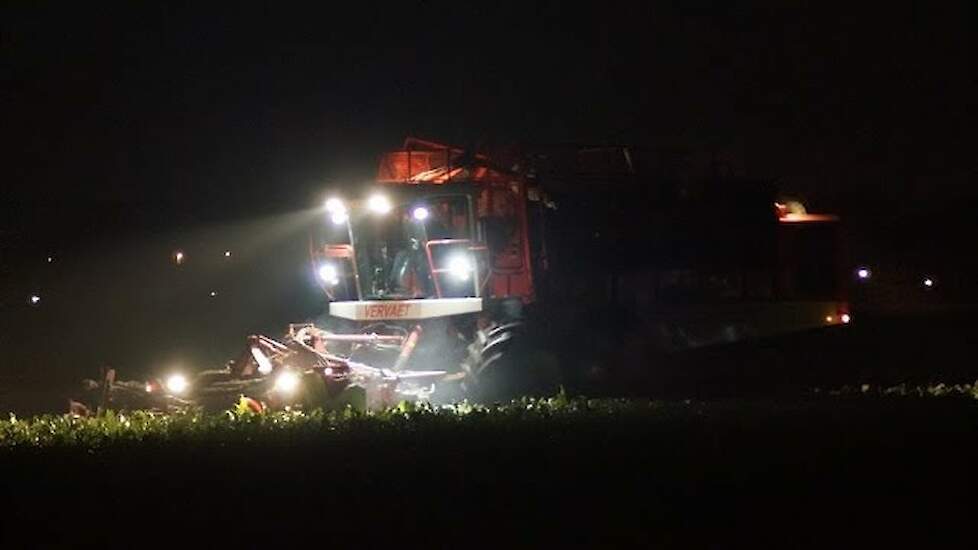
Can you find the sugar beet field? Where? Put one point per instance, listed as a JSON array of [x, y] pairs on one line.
[[868, 462]]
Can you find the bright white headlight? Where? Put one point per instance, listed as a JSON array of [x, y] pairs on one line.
[[337, 210], [177, 384], [329, 274], [287, 382], [420, 213], [334, 204], [379, 204], [460, 267]]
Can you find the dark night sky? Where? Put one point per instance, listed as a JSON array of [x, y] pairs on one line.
[[154, 119], [159, 103]]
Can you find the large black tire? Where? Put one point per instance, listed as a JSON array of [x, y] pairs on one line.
[[502, 364]]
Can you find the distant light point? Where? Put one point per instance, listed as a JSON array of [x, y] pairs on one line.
[[35, 299], [928, 282], [213, 294], [50, 259], [864, 273], [178, 257], [227, 253]]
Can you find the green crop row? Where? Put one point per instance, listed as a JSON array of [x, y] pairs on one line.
[[240, 425], [904, 390]]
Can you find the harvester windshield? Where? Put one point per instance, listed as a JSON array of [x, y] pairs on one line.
[[408, 248]]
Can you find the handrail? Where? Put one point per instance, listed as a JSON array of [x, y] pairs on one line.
[[435, 271]]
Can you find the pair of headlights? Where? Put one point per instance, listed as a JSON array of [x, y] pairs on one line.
[[378, 204], [458, 266], [286, 383], [176, 384]]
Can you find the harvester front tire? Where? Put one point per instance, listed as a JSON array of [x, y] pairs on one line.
[[502, 365]]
